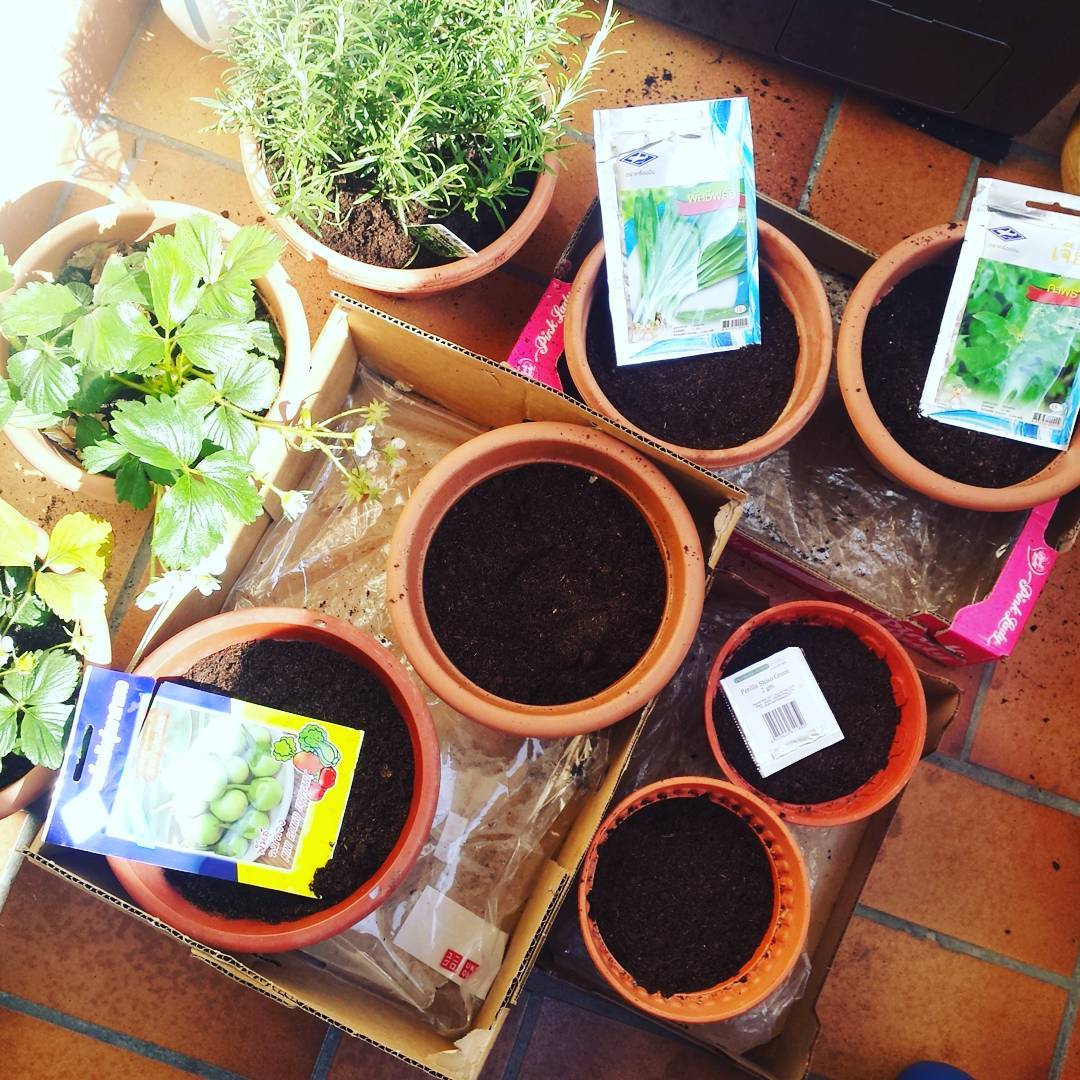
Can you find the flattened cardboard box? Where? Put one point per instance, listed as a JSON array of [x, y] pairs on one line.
[[490, 394]]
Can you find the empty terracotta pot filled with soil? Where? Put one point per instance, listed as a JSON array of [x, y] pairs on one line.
[[321, 667], [886, 340], [693, 900], [545, 579], [874, 693], [727, 408]]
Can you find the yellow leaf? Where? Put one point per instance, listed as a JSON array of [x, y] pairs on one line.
[[80, 542], [18, 538], [73, 597]]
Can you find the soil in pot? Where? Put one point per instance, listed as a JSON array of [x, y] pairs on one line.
[[372, 234], [544, 584], [898, 342], [682, 894], [856, 684], [309, 679], [706, 402]]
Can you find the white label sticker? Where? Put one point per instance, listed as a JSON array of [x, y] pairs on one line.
[[781, 711], [453, 941], [453, 828]]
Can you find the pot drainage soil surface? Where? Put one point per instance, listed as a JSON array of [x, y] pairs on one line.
[[682, 894], [306, 678], [707, 402], [898, 342], [856, 684], [544, 584]]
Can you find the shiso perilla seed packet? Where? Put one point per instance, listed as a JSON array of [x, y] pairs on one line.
[[679, 213], [168, 774], [1007, 355]]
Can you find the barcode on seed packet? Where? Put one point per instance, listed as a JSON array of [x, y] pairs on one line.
[[1048, 419], [785, 719], [740, 323]]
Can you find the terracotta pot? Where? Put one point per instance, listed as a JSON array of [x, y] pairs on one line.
[[39, 780], [907, 689], [1070, 159], [148, 884], [804, 296], [570, 444], [405, 281], [779, 948], [136, 221], [917, 251]]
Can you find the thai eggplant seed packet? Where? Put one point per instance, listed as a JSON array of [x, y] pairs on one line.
[[1007, 355], [168, 774], [680, 227]]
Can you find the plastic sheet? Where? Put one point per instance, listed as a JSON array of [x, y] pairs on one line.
[[505, 803]]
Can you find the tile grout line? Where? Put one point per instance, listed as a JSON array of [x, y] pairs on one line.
[[976, 710], [529, 1017], [1067, 1028], [129, 51], [827, 127], [139, 562], [117, 1039], [959, 945], [149, 134], [1008, 784], [324, 1061], [967, 189]]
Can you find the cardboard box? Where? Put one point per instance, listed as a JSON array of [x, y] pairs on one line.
[[489, 394], [1000, 562]]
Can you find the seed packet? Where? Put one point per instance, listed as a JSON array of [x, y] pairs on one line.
[[680, 227], [164, 773], [1006, 358]]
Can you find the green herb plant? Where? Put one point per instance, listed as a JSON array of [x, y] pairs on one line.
[[434, 104], [46, 601], [155, 370]]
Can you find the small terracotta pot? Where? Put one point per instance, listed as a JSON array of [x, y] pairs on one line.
[[569, 444], [780, 947], [38, 780], [136, 221], [804, 296], [426, 281], [151, 889], [907, 689], [1070, 158], [923, 249]]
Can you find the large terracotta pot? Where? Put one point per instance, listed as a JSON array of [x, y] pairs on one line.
[[405, 281], [570, 444], [136, 221], [802, 292], [922, 249], [151, 889]]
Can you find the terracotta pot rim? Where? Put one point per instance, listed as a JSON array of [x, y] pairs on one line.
[[908, 742], [276, 288], [813, 312], [910, 254], [788, 927], [147, 884], [404, 281], [506, 448]]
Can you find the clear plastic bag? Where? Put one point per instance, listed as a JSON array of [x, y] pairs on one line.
[[505, 803]]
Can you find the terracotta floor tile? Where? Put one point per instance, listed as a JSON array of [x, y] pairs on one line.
[[164, 71], [660, 62], [37, 1050], [881, 180], [984, 866], [66, 949], [1028, 728], [891, 1000], [603, 1049], [1049, 133]]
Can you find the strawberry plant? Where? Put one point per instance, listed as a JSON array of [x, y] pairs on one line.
[[45, 601]]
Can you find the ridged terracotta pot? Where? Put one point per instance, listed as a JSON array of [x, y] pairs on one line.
[[779, 948], [569, 444], [139, 221], [804, 295], [1061, 476], [907, 745], [148, 885], [425, 281]]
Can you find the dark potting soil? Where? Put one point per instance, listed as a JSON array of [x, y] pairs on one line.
[[544, 584], [15, 767], [306, 678], [898, 342], [372, 233], [856, 684], [682, 894], [706, 402]]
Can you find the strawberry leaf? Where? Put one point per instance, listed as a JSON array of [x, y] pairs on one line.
[[73, 597], [200, 245], [133, 483], [159, 431], [189, 523], [252, 251], [37, 309], [80, 541], [226, 428], [251, 383], [44, 378], [174, 282], [213, 344], [232, 296], [119, 282], [18, 538], [103, 456]]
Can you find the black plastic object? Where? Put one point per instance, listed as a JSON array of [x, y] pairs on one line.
[[992, 63]]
